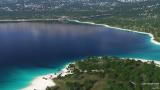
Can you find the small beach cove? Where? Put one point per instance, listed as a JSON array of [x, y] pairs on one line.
[[48, 46]]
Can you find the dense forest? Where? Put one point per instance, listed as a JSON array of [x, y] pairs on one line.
[[109, 73]]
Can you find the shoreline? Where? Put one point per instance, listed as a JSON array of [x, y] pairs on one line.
[[157, 63], [27, 20], [44, 81], [105, 25]]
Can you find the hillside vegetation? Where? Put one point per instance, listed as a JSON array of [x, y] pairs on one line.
[[108, 73]]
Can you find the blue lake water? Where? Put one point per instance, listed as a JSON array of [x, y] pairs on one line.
[[30, 49]]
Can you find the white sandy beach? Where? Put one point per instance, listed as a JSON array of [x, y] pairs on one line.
[[42, 82]]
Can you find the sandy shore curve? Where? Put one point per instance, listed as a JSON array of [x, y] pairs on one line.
[[44, 81]]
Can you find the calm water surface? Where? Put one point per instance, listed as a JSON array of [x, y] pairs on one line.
[[30, 49]]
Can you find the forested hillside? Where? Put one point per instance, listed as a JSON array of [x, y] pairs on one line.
[[108, 73]]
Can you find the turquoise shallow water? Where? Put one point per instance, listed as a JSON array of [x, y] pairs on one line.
[[31, 49], [21, 78], [151, 52]]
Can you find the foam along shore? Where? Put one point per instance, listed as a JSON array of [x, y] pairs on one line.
[[145, 33], [42, 82], [157, 63]]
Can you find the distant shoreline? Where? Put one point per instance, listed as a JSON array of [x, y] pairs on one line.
[[92, 23], [28, 20]]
